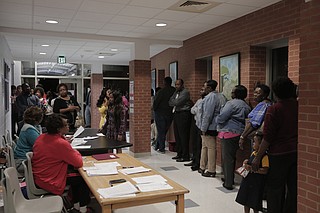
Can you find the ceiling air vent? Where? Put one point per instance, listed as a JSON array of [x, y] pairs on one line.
[[192, 3], [193, 6]]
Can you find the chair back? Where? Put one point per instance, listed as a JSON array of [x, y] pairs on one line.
[[14, 195], [11, 162], [4, 195], [33, 191]]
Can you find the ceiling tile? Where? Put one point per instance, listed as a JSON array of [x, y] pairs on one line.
[[82, 30], [139, 11], [150, 30], [253, 3], [25, 2], [15, 8], [15, 24], [41, 20], [90, 16], [230, 10], [162, 4], [49, 41], [175, 15], [139, 34], [153, 22], [86, 24], [209, 19], [51, 12], [111, 33], [119, 27], [61, 4], [128, 20], [100, 7]]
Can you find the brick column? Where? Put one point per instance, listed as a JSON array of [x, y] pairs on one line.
[[96, 87], [140, 107], [309, 109]]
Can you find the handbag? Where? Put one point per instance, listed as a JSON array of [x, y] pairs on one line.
[[79, 121]]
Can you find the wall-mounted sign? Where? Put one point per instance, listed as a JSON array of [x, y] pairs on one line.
[[62, 59]]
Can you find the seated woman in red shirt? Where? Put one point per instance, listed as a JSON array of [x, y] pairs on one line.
[[52, 154]]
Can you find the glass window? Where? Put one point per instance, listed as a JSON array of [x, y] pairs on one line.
[[55, 69], [27, 68], [87, 70], [30, 81], [115, 71], [122, 85]]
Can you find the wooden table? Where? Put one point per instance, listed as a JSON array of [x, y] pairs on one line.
[[95, 182], [101, 144]]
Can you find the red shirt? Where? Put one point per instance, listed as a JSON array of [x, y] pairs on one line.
[[281, 127], [51, 156]]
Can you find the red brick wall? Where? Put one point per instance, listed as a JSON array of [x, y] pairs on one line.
[[309, 109], [140, 120], [96, 85]]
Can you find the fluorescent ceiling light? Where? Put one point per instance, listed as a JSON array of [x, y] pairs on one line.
[[161, 24], [114, 50], [43, 53], [45, 45], [100, 56], [52, 22]]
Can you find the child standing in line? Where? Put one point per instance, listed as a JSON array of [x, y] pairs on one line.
[[252, 186]]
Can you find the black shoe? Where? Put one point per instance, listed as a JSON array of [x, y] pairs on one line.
[[201, 171], [227, 187], [161, 152], [189, 164], [182, 160], [195, 168], [224, 180], [209, 174], [175, 157]]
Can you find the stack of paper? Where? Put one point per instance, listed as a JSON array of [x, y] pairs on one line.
[[120, 190], [151, 183], [102, 169], [134, 170], [77, 142]]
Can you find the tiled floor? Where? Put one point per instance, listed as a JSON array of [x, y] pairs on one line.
[[206, 194]]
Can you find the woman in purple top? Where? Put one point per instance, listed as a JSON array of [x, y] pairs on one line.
[[280, 139], [115, 125]]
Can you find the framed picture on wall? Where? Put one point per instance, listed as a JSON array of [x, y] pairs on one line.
[[173, 69], [153, 80], [229, 73]]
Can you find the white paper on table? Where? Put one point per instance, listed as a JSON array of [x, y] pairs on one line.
[[150, 179], [90, 137], [148, 187], [82, 147], [105, 171], [119, 190], [78, 132], [89, 168], [134, 170], [78, 141], [100, 134], [108, 164]]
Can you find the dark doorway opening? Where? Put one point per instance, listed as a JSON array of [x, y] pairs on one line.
[[279, 62], [49, 84]]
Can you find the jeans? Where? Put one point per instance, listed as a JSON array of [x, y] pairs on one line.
[[163, 123]]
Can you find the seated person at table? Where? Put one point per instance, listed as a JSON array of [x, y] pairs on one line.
[[30, 131], [52, 154], [115, 125]]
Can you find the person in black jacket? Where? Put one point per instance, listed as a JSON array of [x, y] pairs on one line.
[[163, 113]]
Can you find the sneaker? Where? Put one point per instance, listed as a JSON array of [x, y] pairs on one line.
[[209, 174], [201, 171]]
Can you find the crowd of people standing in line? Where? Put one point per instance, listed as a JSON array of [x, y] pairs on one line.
[[272, 127]]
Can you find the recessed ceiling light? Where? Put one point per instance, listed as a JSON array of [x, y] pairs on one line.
[[52, 22], [100, 56], [114, 50], [161, 24], [43, 53], [45, 45]]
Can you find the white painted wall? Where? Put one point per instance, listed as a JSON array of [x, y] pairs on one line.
[[5, 57]]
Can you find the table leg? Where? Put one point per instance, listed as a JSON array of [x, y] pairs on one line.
[[106, 209], [180, 204]]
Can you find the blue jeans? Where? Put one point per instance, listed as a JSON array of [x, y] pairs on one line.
[[163, 123]]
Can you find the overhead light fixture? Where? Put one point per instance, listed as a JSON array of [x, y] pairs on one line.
[[52, 22], [100, 56], [114, 50], [43, 53], [45, 45], [161, 24]]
